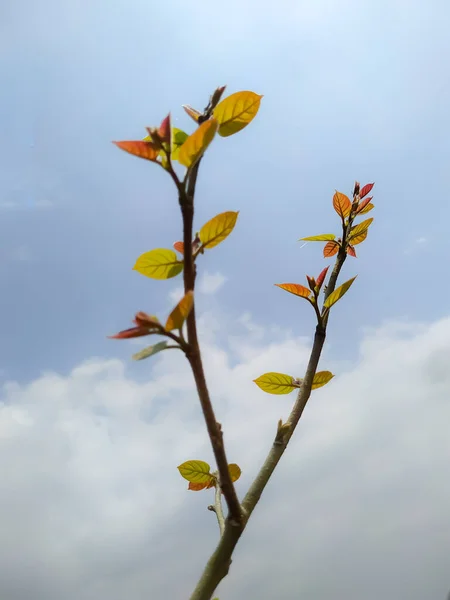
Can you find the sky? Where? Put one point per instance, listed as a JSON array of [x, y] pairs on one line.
[[91, 503]]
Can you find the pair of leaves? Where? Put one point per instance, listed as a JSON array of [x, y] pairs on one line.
[[198, 473], [279, 383], [301, 290], [163, 263]]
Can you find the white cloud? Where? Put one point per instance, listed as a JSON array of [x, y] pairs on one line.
[[210, 283], [92, 506]]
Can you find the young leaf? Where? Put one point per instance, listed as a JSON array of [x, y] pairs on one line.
[[196, 471], [342, 204], [362, 205], [351, 251], [178, 139], [276, 383], [236, 111], [133, 332], [235, 472], [164, 130], [366, 209], [195, 145], [321, 378], [321, 277], [140, 148], [192, 112], [295, 288], [197, 487], [324, 237], [330, 249], [217, 229], [357, 239], [145, 320], [366, 190], [159, 264], [338, 293], [179, 247], [150, 351], [358, 233], [180, 313]]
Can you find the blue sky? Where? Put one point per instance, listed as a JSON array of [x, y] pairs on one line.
[[352, 90]]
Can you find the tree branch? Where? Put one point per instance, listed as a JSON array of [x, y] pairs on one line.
[[217, 508]]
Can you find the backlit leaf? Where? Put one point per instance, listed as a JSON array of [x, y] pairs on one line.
[[235, 472], [338, 293], [164, 130], [217, 229], [342, 204], [295, 288], [196, 471], [139, 148], [362, 205], [330, 249], [367, 209], [197, 487], [357, 239], [324, 237], [178, 139], [145, 320], [195, 145], [236, 111], [351, 251], [321, 277], [180, 313], [192, 112], [179, 247], [321, 378], [150, 351], [366, 190], [276, 383], [133, 332], [159, 264]]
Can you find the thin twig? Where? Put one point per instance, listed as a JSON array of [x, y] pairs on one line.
[[218, 509]]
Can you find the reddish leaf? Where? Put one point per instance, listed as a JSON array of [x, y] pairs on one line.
[[342, 204], [351, 251], [295, 288], [142, 319], [321, 277], [164, 130], [366, 189], [140, 148], [363, 204], [133, 332], [311, 282], [330, 249], [179, 247], [192, 112]]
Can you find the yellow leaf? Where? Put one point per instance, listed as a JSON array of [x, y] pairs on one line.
[[321, 378], [236, 111], [338, 293], [357, 239], [363, 226], [235, 472], [159, 264], [195, 145], [342, 204], [276, 383], [180, 313], [324, 237], [217, 229], [366, 209], [196, 471], [295, 288]]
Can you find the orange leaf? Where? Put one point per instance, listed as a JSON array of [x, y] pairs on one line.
[[196, 487], [330, 249], [351, 251], [196, 144], [367, 209], [342, 204], [144, 320], [133, 332], [366, 190], [180, 313], [363, 204], [179, 247], [295, 288], [235, 472], [140, 148]]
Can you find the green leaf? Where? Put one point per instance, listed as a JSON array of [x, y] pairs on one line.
[[276, 383], [196, 471], [150, 351], [178, 138], [324, 237], [160, 263], [338, 293]]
